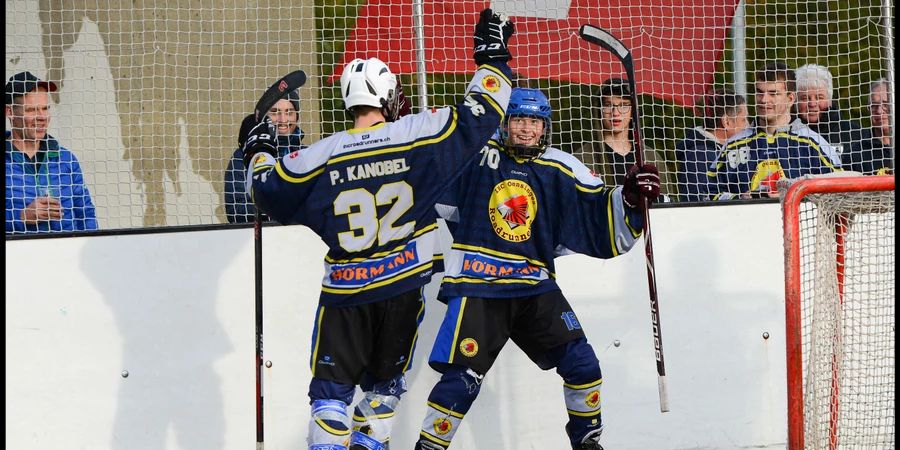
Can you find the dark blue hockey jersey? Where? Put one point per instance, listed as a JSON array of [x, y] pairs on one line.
[[369, 193], [754, 160], [510, 218]]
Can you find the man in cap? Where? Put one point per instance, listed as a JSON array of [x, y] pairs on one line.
[[45, 190]]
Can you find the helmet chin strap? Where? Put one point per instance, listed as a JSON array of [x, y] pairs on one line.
[[526, 152]]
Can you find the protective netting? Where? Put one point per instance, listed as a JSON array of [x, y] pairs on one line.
[[848, 320], [152, 92]]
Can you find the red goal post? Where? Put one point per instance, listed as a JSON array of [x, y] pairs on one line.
[[839, 312]]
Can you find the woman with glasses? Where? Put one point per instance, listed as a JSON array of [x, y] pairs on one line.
[[611, 153]]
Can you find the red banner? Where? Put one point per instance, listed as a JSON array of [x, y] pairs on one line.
[[674, 43]]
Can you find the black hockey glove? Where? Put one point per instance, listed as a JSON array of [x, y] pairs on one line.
[[640, 181], [492, 33], [260, 139]]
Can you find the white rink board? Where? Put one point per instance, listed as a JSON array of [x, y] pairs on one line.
[[176, 311]]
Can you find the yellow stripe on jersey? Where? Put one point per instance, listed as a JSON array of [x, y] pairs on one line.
[[454, 280], [578, 184], [402, 148], [811, 143], [497, 253], [556, 165], [282, 172], [497, 72], [385, 282], [493, 103], [370, 128], [612, 229]]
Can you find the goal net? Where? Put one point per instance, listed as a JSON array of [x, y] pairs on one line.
[[839, 292]]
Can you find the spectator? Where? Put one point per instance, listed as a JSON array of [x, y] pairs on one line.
[[45, 188], [724, 115], [778, 146], [285, 114], [877, 154], [816, 109], [880, 108], [612, 154]]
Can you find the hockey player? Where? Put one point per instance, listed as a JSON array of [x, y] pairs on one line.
[[779, 146], [516, 208], [369, 193]]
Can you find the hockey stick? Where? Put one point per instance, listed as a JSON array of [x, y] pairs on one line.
[[606, 40], [277, 91]]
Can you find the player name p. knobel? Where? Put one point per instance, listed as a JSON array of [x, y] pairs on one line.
[[370, 170]]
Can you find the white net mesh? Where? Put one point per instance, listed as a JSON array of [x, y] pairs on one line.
[[848, 322], [152, 92]]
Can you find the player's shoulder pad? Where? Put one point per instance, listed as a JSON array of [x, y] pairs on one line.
[[424, 124], [303, 161], [569, 165], [743, 135]]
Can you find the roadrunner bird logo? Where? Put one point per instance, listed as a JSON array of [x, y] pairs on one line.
[[512, 210]]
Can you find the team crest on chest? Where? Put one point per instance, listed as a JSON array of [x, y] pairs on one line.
[[512, 209]]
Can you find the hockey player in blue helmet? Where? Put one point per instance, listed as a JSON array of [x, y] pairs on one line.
[[500, 282], [525, 131]]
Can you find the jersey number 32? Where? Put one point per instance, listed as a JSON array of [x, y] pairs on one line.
[[361, 208]]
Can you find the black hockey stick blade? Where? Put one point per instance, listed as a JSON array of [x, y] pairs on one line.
[[277, 91], [606, 40]]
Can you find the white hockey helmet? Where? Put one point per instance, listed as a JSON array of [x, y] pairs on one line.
[[368, 82]]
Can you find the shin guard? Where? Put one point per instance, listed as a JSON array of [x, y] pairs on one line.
[[373, 419], [329, 426]]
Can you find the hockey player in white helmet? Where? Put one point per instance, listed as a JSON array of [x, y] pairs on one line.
[[369, 193], [510, 215]]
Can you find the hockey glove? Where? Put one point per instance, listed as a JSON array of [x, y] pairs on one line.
[[398, 106], [492, 33], [640, 181], [260, 139]]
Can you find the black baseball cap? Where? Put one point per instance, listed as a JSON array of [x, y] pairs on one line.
[[23, 83]]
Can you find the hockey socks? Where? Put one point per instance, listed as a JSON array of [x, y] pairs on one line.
[[449, 401]]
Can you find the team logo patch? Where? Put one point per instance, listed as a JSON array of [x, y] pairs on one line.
[[468, 347], [294, 154], [491, 83], [513, 206], [442, 426], [592, 399], [767, 174]]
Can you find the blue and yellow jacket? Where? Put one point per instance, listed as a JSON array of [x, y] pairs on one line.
[[753, 160]]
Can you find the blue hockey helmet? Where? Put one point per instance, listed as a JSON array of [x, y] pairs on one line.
[[526, 102]]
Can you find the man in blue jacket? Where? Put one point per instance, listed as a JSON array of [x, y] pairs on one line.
[[45, 188]]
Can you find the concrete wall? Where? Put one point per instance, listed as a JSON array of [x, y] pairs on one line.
[[176, 312]]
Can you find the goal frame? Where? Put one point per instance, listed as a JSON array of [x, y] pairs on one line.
[[793, 295]]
